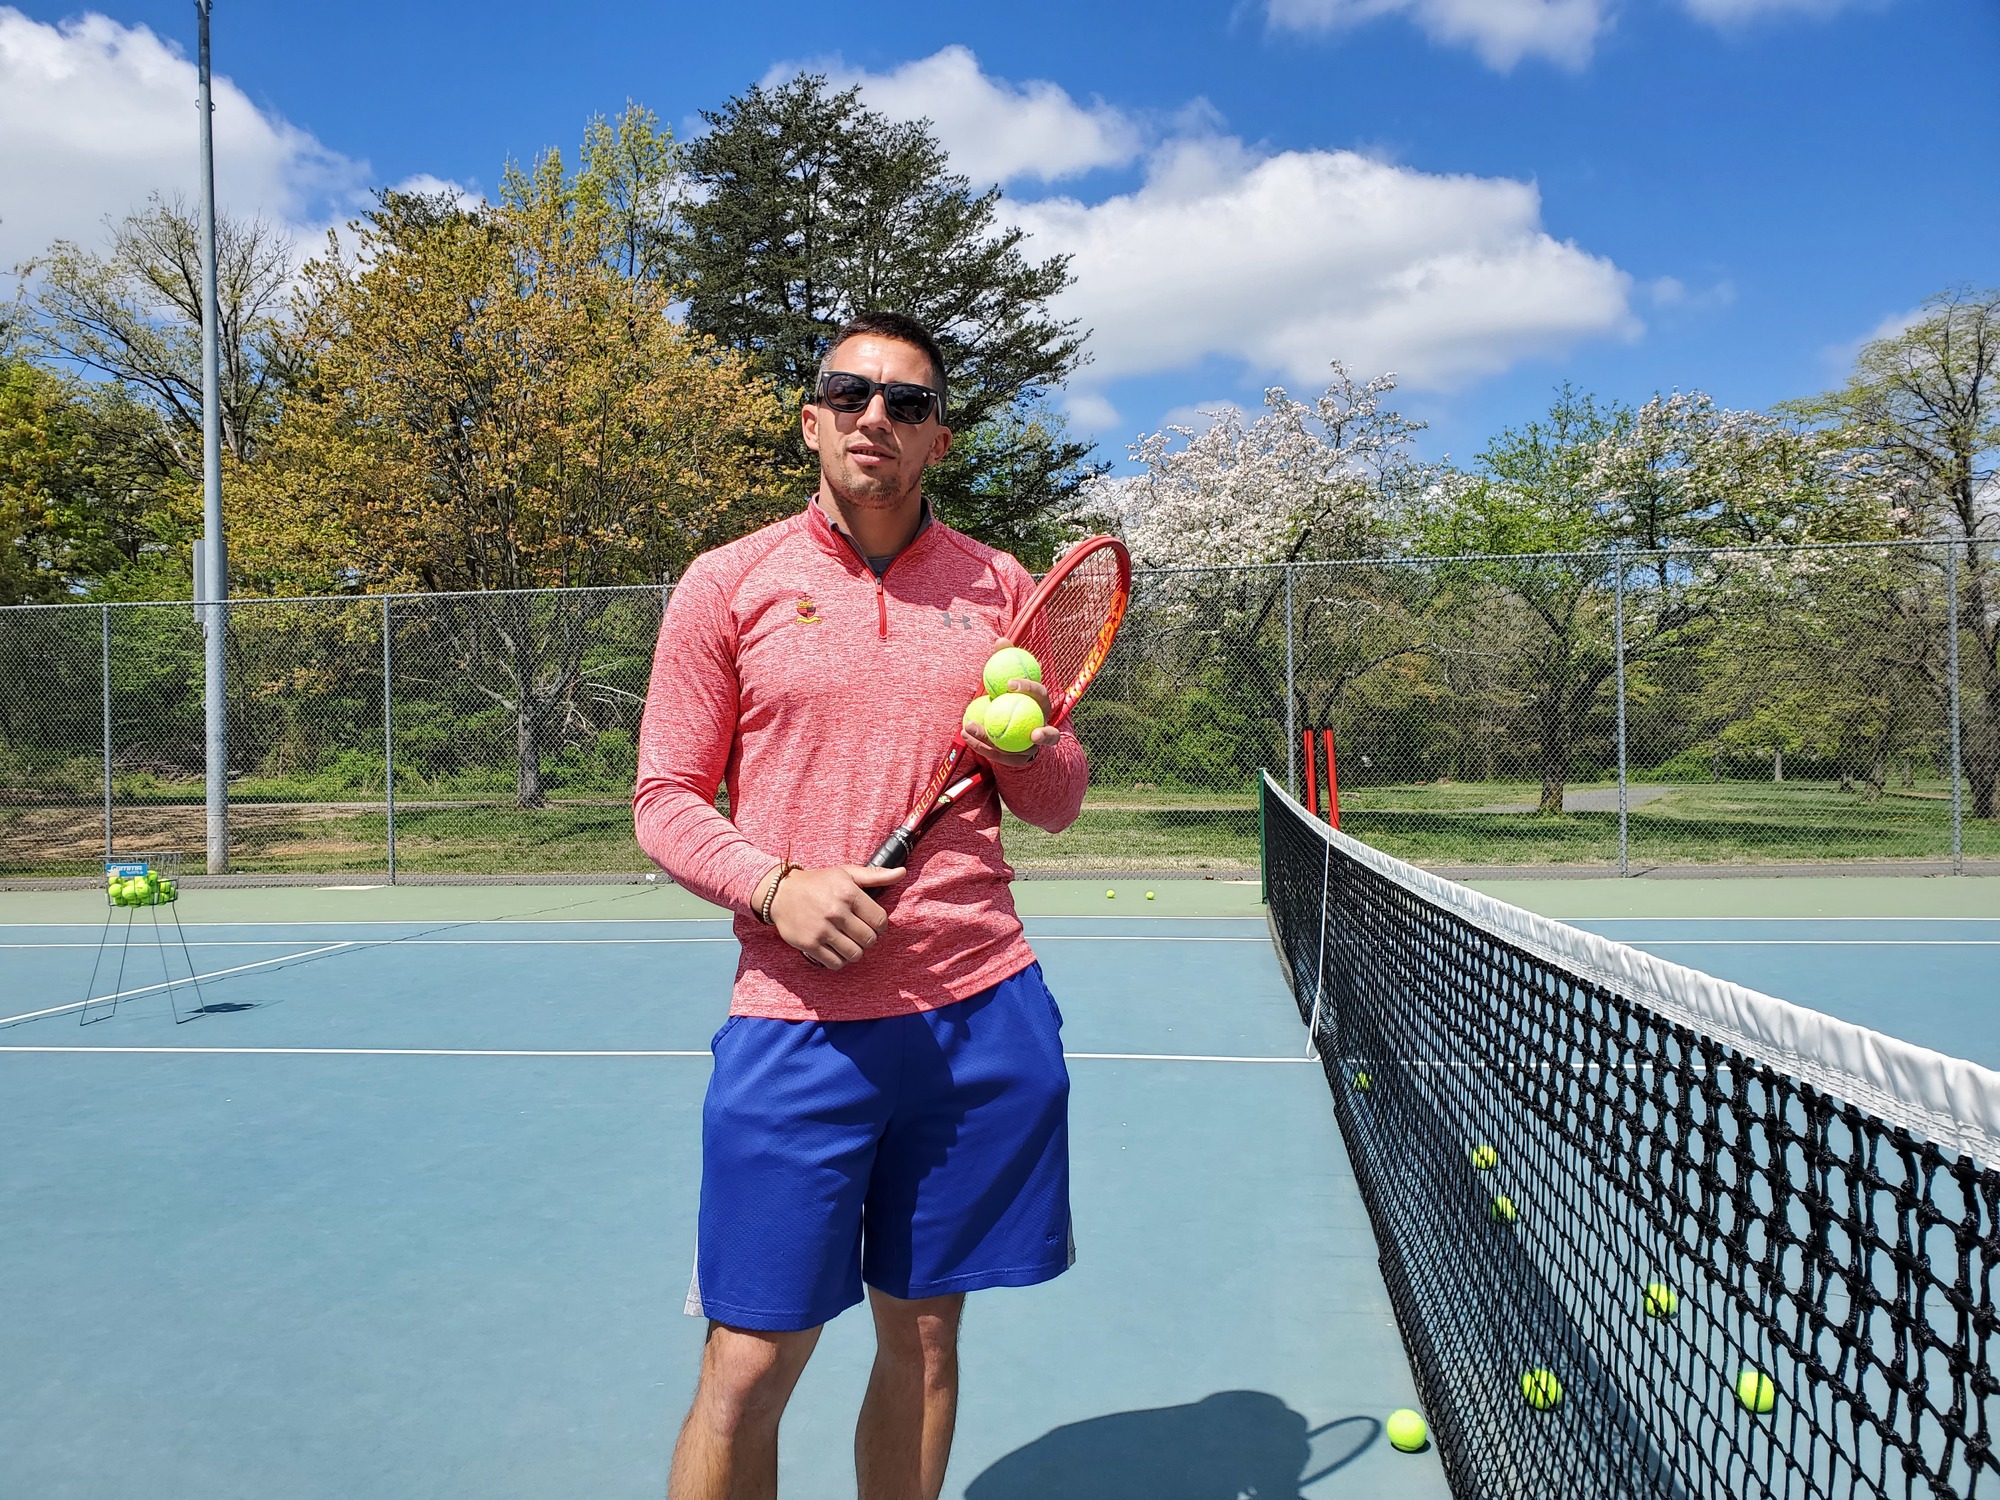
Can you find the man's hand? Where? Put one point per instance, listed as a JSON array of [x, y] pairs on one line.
[[1047, 735], [828, 914]]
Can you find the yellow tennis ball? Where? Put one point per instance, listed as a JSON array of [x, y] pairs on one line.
[[1541, 1388], [1503, 1210], [1485, 1158], [1755, 1390], [1406, 1430], [1662, 1301], [1363, 1082], [1004, 665], [975, 711], [1012, 719], [1149, 895]]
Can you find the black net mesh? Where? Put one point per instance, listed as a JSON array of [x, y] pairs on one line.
[[1562, 1179]]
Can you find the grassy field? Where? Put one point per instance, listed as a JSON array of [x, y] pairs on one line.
[[1467, 823]]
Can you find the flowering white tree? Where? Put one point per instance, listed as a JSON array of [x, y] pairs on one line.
[[1305, 479]]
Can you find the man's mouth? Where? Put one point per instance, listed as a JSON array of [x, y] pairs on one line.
[[870, 458]]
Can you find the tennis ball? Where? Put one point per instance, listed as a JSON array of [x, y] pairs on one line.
[[1662, 1301], [1406, 1430], [1012, 719], [1541, 1388], [975, 711], [1110, 895], [1502, 1210], [1363, 1082], [1004, 665], [1755, 1390], [1485, 1158], [1149, 895]]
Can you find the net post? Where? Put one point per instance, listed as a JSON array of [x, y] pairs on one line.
[[1957, 747], [1332, 780], [1263, 839], [104, 618], [388, 737], [1618, 633], [1312, 776], [1291, 696]]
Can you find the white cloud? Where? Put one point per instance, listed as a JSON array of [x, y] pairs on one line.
[[995, 131], [1741, 12], [1090, 410], [1502, 32], [95, 115], [1286, 262]]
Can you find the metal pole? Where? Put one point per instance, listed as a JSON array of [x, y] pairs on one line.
[[1291, 698], [1618, 631], [1957, 779], [215, 691], [104, 611], [388, 741]]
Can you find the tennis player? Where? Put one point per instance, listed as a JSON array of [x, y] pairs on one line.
[[889, 1104]]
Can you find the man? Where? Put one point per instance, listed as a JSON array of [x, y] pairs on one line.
[[889, 1103]]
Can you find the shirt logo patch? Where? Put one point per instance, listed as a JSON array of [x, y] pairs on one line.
[[808, 611]]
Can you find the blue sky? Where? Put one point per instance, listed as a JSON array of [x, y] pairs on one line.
[[1489, 196]]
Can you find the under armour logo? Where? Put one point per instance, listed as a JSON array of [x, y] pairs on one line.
[[964, 622]]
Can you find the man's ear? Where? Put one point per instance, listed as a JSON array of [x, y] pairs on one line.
[[938, 449], [809, 425]]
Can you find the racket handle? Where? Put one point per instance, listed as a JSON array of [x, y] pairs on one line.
[[895, 851]]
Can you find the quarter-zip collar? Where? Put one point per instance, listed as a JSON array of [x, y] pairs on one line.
[[839, 542]]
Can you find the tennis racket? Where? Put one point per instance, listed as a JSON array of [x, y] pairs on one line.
[[1068, 625]]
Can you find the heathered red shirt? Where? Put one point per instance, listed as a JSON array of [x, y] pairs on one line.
[[823, 697]]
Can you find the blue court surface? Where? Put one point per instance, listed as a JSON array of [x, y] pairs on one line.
[[407, 1210]]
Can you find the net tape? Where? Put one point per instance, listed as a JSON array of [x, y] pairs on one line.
[[1545, 1124]]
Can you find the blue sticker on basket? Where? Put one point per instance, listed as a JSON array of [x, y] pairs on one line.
[[124, 869]]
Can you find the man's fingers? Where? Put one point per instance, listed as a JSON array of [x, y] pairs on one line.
[[842, 948], [868, 875], [855, 927]]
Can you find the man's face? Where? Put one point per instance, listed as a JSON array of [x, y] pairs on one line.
[[864, 457]]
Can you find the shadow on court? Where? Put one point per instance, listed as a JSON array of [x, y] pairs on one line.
[[1231, 1444]]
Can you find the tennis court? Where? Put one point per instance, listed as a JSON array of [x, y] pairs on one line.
[[408, 1207]]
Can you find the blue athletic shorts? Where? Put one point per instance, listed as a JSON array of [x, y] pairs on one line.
[[923, 1154]]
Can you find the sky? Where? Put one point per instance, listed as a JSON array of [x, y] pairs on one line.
[[1487, 197]]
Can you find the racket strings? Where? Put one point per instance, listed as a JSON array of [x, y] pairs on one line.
[[1069, 632]]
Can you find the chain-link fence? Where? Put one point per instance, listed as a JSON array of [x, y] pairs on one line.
[[1612, 711]]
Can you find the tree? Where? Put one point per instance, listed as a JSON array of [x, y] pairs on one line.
[[805, 208], [1919, 421], [487, 401]]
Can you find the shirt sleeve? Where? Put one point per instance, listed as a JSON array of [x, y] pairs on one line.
[[685, 741]]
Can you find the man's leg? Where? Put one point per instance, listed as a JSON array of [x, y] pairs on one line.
[[728, 1448], [904, 1436]]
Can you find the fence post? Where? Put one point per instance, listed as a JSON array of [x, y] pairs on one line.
[[104, 612], [1951, 639], [388, 738], [1618, 632], [1291, 698]]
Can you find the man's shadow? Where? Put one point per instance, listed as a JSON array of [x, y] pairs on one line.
[[1224, 1447]]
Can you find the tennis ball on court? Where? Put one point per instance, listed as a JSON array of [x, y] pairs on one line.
[[1406, 1430], [1662, 1301], [1004, 665], [1110, 895], [1149, 895], [1363, 1082], [975, 711], [1012, 719], [1485, 1158], [1755, 1390], [1541, 1388], [1502, 1210]]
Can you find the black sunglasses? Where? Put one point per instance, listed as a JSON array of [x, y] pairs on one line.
[[905, 403]]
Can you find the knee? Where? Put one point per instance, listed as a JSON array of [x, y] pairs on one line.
[[923, 1336], [746, 1378]]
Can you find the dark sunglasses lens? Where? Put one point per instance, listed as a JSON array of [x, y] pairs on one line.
[[907, 403], [845, 392]]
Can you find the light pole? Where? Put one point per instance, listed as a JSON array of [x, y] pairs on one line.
[[213, 575]]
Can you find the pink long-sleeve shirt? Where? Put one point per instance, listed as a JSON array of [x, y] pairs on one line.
[[823, 697]]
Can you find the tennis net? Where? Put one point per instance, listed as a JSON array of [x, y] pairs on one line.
[[1683, 1200]]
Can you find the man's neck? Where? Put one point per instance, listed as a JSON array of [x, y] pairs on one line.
[[878, 531]]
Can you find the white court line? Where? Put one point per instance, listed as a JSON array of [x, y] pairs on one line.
[[147, 989], [1173, 1057]]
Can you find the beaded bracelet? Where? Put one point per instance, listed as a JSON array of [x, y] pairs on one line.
[[785, 867]]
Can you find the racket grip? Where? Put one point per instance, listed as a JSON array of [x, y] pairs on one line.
[[895, 851]]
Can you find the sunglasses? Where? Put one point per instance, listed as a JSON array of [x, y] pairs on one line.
[[909, 404]]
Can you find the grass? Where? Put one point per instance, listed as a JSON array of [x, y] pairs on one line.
[[1120, 828]]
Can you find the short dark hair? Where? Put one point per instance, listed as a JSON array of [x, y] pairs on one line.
[[904, 329]]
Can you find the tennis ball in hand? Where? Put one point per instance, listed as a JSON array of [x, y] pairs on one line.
[[975, 711], [1012, 719], [1755, 1390], [1406, 1430], [1541, 1388], [1004, 665], [1662, 1301]]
